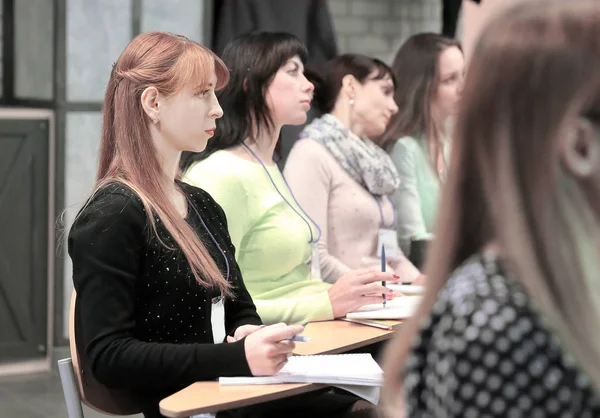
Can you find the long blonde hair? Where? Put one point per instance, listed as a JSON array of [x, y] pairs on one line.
[[534, 71], [127, 154]]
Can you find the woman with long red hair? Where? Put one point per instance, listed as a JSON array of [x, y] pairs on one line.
[[153, 265]]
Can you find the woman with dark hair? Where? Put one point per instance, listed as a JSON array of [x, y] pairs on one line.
[[343, 179], [509, 322], [275, 239], [429, 69]]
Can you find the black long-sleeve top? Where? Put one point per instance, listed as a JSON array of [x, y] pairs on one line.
[[146, 322]]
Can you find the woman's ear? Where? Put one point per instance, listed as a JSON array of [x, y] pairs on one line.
[[149, 99], [580, 149], [349, 83]]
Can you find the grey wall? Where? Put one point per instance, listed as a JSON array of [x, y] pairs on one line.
[[97, 32], [378, 27], [184, 17], [34, 66]]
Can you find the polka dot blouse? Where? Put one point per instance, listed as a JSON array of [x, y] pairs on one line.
[[484, 352], [146, 322]]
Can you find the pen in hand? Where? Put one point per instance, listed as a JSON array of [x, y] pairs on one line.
[[383, 264], [295, 338], [299, 339]]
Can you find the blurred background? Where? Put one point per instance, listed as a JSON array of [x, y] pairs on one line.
[[56, 56]]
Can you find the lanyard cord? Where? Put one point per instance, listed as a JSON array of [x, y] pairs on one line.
[[312, 239], [212, 237], [394, 221]]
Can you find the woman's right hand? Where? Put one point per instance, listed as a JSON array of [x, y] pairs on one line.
[[358, 288], [267, 350]]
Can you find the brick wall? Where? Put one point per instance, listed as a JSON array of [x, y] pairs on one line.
[[378, 27]]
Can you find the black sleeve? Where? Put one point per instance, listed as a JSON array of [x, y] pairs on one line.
[[241, 309], [105, 246]]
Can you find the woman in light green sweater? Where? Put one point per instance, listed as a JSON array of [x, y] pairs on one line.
[[272, 234], [429, 69]]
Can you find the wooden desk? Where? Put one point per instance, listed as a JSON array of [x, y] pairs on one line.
[[332, 337], [210, 397], [328, 337]]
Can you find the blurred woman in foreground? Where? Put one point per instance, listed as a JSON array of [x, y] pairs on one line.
[[508, 325]]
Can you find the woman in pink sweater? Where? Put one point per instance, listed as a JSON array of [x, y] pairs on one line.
[[341, 178]]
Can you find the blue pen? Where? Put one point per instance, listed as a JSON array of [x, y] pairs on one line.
[[383, 264]]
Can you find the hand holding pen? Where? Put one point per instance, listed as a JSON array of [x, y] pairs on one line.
[[268, 348], [358, 288]]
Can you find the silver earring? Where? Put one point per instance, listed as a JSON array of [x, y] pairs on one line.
[[155, 120], [351, 101]]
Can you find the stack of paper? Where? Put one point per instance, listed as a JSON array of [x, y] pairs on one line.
[[398, 308], [339, 369]]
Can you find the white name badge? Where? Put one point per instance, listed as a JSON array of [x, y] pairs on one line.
[[315, 265], [217, 320], [388, 238]]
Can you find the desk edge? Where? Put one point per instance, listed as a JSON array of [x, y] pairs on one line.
[[304, 388]]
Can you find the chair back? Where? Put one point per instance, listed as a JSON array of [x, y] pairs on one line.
[[110, 401]]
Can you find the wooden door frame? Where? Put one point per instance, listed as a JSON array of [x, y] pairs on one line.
[[44, 364]]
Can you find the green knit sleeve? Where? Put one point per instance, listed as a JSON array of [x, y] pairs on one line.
[[296, 310], [407, 198]]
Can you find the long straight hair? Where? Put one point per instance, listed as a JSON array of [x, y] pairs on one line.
[[253, 60], [416, 70], [535, 71], [127, 154]]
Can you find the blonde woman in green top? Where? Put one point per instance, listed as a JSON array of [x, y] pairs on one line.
[[271, 232], [429, 71]]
